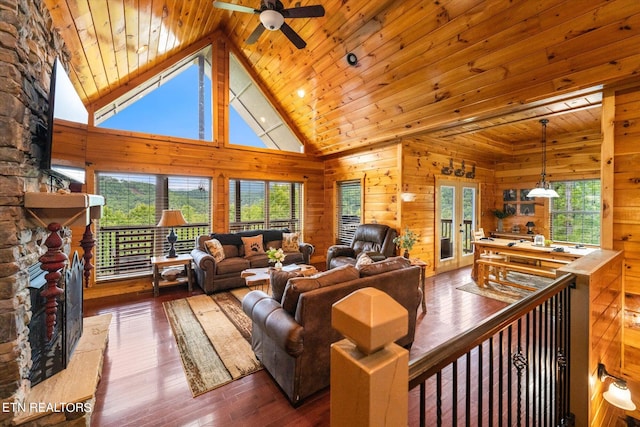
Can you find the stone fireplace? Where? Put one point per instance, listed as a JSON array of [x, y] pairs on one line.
[[28, 45]]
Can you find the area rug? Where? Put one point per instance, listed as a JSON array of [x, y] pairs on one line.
[[213, 336], [505, 293]]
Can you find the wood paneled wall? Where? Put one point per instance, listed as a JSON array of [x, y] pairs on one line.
[[422, 163], [379, 170], [626, 223], [569, 157]]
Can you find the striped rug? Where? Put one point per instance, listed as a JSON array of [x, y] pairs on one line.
[[213, 336], [505, 293]]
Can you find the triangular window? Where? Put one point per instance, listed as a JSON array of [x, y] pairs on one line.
[[253, 121], [176, 102]]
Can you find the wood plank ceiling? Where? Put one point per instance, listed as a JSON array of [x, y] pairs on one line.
[[477, 72]]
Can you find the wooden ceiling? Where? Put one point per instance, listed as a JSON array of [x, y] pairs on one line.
[[475, 72]]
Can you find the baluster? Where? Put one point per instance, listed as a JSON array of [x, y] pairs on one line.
[[87, 243], [52, 261]]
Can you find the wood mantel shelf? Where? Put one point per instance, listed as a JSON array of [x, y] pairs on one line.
[[65, 209]]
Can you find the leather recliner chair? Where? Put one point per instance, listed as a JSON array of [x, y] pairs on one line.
[[374, 239]]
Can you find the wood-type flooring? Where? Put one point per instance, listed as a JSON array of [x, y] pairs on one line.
[[143, 383]]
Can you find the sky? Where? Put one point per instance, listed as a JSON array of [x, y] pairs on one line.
[[172, 110]]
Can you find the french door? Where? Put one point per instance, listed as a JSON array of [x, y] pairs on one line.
[[456, 208]]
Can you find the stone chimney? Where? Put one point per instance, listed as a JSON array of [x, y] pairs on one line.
[[28, 46]]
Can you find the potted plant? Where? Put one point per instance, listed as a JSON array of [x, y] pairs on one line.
[[500, 214], [406, 241]]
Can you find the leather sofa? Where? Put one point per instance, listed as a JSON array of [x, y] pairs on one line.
[[292, 337], [214, 276], [374, 239]]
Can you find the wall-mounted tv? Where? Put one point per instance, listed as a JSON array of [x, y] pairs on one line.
[[65, 104]]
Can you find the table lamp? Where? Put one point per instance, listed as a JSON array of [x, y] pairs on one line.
[[530, 226], [172, 218]]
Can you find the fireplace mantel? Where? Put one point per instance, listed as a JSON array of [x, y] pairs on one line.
[[66, 209]]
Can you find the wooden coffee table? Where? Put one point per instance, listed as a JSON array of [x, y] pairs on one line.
[[259, 278]]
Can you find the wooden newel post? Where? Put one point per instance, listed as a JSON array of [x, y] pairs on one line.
[[369, 372], [87, 243], [52, 261]]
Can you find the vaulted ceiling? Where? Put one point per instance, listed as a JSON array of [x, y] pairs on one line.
[[476, 72]]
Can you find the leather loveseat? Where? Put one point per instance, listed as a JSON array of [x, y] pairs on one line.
[[292, 336], [214, 276], [374, 239]]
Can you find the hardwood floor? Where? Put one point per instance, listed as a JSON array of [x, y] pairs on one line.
[[143, 383]]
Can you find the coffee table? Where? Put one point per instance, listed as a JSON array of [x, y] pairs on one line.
[[259, 278]]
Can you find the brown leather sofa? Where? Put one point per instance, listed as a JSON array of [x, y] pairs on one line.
[[215, 276], [375, 239], [292, 336]]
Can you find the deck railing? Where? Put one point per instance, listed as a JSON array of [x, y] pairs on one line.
[[126, 251], [511, 370]]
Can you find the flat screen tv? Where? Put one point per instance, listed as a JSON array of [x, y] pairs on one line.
[[64, 104]]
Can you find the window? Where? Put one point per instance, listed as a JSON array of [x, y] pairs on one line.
[[127, 232], [177, 102], [575, 215], [252, 119], [257, 205], [349, 210]]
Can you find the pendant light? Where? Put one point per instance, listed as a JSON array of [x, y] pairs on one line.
[[543, 188]]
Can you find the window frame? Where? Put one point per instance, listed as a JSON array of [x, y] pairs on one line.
[[293, 223], [125, 250], [581, 213], [345, 230]]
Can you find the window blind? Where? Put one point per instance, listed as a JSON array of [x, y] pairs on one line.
[[349, 210]]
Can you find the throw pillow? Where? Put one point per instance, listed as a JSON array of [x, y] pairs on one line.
[[290, 242], [215, 249], [389, 264], [252, 245], [278, 279], [300, 285], [363, 259]]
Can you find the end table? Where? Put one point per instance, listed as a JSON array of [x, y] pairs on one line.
[[160, 262]]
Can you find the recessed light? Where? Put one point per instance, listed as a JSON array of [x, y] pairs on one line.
[[301, 93]]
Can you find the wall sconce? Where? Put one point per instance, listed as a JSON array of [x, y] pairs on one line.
[[448, 170], [408, 197], [460, 171], [618, 394]]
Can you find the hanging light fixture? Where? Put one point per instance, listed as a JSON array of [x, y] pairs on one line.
[[543, 189]]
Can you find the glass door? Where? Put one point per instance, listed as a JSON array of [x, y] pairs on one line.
[[456, 219]]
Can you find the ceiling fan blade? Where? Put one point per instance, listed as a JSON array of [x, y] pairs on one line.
[[293, 36], [234, 7], [253, 37], [304, 12]]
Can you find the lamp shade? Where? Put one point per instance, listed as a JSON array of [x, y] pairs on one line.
[[620, 396], [530, 224], [171, 218]]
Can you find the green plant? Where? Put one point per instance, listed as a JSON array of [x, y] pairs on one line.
[[500, 214], [406, 240]]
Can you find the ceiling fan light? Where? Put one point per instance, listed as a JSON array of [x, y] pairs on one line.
[[271, 19]]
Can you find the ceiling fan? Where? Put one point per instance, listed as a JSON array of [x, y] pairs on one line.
[[272, 14]]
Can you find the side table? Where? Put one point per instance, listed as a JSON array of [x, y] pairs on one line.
[[423, 274], [160, 262]]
